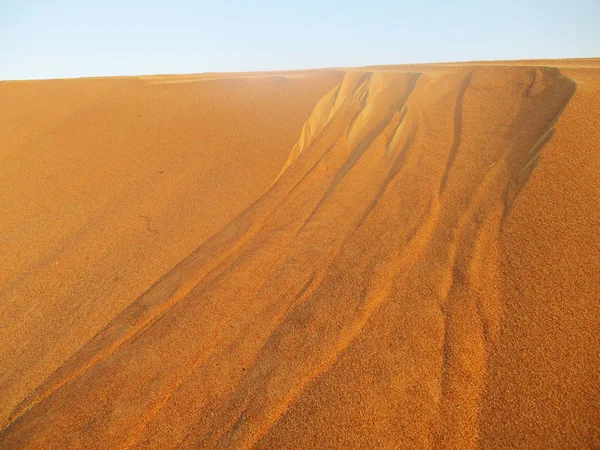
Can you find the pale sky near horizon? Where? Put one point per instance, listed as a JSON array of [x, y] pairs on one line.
[[68, 38]]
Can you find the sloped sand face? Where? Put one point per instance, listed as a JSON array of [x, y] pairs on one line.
[[421, 271]]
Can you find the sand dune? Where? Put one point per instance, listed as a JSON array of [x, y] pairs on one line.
[[385, 257]]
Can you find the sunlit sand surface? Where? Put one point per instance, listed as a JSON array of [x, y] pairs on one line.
[[384, 257]]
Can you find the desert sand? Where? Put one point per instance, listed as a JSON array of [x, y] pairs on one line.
[[381, 257]]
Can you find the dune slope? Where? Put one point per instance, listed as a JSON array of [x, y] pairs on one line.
[[420, 272]]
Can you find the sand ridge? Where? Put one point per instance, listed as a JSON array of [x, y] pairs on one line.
[[386, 287]]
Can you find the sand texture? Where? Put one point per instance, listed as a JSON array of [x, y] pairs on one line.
[[385, 257]]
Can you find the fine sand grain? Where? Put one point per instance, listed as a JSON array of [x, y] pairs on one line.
[[384, 257]]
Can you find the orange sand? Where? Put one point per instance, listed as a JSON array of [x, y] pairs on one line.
[[386, 257]]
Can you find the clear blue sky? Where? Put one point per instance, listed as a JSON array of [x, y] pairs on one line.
[[68, 38]]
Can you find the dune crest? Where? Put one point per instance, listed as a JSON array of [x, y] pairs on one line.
[[358, 303]]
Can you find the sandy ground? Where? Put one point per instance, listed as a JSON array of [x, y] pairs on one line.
[[384, 257]]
